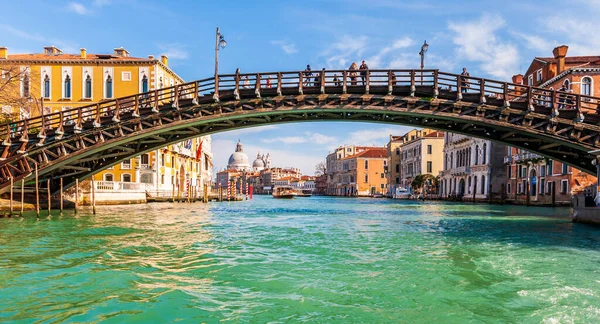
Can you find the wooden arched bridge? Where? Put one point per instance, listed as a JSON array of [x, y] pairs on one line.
[[79, 142]]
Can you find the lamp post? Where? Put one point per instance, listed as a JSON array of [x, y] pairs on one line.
[[424, 48], [220, 42]]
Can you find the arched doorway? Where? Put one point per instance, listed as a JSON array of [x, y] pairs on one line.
[[474, 186], [461, 187], [533, 183]]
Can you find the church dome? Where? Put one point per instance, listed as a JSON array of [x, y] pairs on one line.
[[258, 163], [238, 160]]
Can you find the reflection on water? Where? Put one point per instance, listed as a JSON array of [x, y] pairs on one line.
[[312, 259]]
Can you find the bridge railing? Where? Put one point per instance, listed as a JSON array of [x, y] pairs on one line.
[[580, 108]]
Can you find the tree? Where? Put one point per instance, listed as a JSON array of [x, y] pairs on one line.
[[422, 179], [17, 86], [320, 169]]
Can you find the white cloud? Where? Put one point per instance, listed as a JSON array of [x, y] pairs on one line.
[[477, 41], [376, 135], [77, 8], [578, 32], [535, 42], [250, 130], [313, 138], [288, 48], [174, 51], [341, 53]]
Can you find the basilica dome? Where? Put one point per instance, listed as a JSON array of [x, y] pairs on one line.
[[259, 163], [238, 160]]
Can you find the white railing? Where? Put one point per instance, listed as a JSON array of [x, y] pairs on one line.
[[118, 186], [526, 156]]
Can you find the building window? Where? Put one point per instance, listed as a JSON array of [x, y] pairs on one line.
[[469, 185], [146, 178], [429, 149], [549, 185], [145, 159], [549, 170], [509, 171], [397, 180], [162, 159], [366, 178], [109, 87], [108, 177], [542, 185], [564, 186], [538, 75], [586, 86], [125, 76], [565, 168], [484, 154], [476, 154], [519, 189], [88, 87], [382, 175], [366, 164], [47, 87], [429, 167], [144, 83], [126, 165], [508, 188], [398, 151], [25, 88], [524, 172], [397, 167], [567, 84], [482, 185], [162, 179], [542, 170], [126, 177], [67, 85], [172, 161], [530, 80]]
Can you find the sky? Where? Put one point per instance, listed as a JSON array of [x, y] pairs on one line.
[[493, 39]]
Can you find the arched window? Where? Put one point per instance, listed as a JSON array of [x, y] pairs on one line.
[[144, 83], [26, 85], [46, 86], [109, 87], [586, 86], [160, 83], [482, 185], [108, 177], [126, 177], [476, 154], [446, 162], [484, 154], [567, 84], [146, 178], [88, 87], [469, 185], [67, 86], [451, 160]]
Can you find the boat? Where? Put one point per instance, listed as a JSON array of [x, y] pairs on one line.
[[284, 192], [401, 193], [303, 192]]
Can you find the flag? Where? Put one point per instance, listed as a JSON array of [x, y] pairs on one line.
[[199, 150], [188, 144]]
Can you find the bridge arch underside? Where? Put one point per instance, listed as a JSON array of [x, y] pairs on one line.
[[96, 149]]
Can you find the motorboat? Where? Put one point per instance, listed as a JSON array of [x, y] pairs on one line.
[[303, 192], [284, 192], [401, 193]]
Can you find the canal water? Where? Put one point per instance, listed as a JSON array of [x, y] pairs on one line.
[[317, 259]]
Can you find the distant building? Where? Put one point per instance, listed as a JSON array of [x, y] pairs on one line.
[[363, 174], [333, 166], [394, 169], [471, 166], [421, 155], [321, 185]]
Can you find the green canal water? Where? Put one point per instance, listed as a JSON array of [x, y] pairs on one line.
[[318, 259]]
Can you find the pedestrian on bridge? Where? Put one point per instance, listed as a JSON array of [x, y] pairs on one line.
[[268, 84], [353, 73], [246, 82], [336, 81], [307, 75], [363, 73], [464, 80]]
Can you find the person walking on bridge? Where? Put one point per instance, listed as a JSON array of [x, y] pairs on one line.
[[307, 75], [353, 74], [464, 80], [364, 70]]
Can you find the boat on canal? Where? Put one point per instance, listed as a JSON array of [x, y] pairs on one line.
[[401, 193], [303, 192], [284, 192]]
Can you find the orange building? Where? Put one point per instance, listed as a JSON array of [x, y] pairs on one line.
[[363, 174]]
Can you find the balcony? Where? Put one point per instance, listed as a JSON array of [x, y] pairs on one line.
[[524, 157], [464, 170], [508, 159]]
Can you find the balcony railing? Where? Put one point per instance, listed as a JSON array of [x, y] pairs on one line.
[[523, 157], [464, 170], [118, 186]]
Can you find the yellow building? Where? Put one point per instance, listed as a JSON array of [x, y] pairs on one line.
[[363, 174], [57, 81], [424, 154]]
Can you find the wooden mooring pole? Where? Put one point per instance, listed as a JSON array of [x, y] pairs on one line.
[[76, 194], [61, 195], [93, 197], [11, 195], [22, 196], [37, 192], [49, 196]]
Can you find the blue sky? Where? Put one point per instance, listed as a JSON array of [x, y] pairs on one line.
[[494, 39]]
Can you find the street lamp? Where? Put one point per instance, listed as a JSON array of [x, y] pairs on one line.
[[220, 42], [424, 48]]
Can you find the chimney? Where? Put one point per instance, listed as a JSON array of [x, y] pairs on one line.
[[83, 52], [151, 57], [121, 52], [560, 53], [52, 50], [518, 79], [3, 52], [164, 59]]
